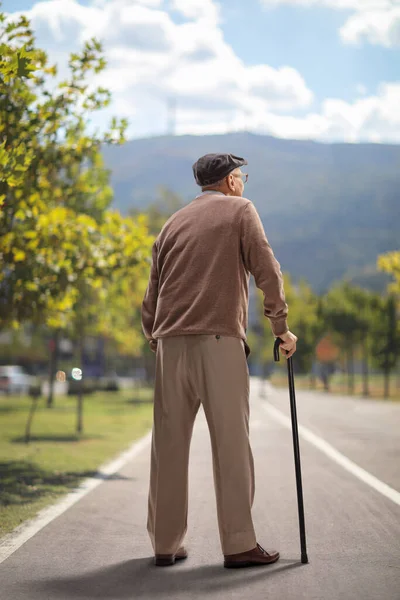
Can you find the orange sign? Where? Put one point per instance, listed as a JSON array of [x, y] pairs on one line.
[[326, 350]]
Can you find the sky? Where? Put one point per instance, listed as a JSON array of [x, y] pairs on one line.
[[326, 70]]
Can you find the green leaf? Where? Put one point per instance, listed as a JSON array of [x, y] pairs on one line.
[[24, 66]]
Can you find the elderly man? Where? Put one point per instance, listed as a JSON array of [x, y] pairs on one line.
[[195, 316]]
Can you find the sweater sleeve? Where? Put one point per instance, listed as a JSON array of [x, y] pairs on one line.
[[260, 261], [149, 303]]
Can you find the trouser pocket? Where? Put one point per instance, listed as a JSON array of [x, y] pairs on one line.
[[245, 344]]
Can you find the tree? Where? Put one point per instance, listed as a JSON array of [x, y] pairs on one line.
[[341, 314], [303, 322], [112, 269], [366, 303], [390, 262], [386, 339], [159, 212], [49, 163]]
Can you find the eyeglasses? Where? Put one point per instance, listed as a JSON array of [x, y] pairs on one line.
[[243, 176]]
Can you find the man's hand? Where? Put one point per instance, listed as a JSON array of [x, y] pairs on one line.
[[289, 344]]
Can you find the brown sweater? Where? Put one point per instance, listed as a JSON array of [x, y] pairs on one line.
[[200, 272]]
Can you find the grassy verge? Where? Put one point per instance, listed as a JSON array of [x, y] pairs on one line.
[[56, 459], [338, 385]]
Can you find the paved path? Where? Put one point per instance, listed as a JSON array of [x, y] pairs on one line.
[[99, 547]]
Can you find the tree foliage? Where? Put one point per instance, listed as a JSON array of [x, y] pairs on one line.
[[390, 263], [56, 234]]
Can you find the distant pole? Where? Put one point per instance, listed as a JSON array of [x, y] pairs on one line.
[[172, 106]]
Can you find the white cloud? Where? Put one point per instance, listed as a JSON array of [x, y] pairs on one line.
[[338, 4], [371, 119], [197, 9], [284, 92], [151, 59], [381, 27], [376, 21]]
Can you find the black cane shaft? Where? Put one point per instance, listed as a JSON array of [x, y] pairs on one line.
[[297, 463], [296, 449]]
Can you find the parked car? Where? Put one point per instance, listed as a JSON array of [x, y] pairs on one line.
[[14, 379]]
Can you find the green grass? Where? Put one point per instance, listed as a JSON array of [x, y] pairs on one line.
[[338, 385], [56, 459]]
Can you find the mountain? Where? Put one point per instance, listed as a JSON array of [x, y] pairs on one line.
[[328, 209]]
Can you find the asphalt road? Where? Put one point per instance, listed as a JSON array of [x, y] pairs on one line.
[[99, 547]]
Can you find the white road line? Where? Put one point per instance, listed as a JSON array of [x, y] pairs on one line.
[[334, 454], [14, 540]]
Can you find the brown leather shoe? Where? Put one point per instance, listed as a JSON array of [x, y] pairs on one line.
[[167, 560], [255, 557]]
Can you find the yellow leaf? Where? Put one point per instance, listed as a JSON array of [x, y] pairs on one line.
[[96, 284], [43, 220], [6, 241], [19, 255], [33, 244]]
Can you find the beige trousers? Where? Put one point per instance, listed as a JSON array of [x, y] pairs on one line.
[[213, 370]]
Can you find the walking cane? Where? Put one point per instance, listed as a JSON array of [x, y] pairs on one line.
[[296, 449]]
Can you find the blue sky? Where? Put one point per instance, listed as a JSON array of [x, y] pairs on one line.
[[308, 40], [341, 81]]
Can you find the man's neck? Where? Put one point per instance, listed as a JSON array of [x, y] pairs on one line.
[[212, 192]]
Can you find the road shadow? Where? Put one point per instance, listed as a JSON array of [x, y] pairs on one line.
[[23, 482], [139, 578]]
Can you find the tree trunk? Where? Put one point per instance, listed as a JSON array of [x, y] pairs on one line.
[[35, 399], [365, 368], [54, 353], [79, 424], [350, 369], [386, 392], [313, 377]]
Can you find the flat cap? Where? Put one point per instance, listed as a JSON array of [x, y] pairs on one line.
[[211, 168]]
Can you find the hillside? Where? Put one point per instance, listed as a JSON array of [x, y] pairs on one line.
[[327, 209]]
